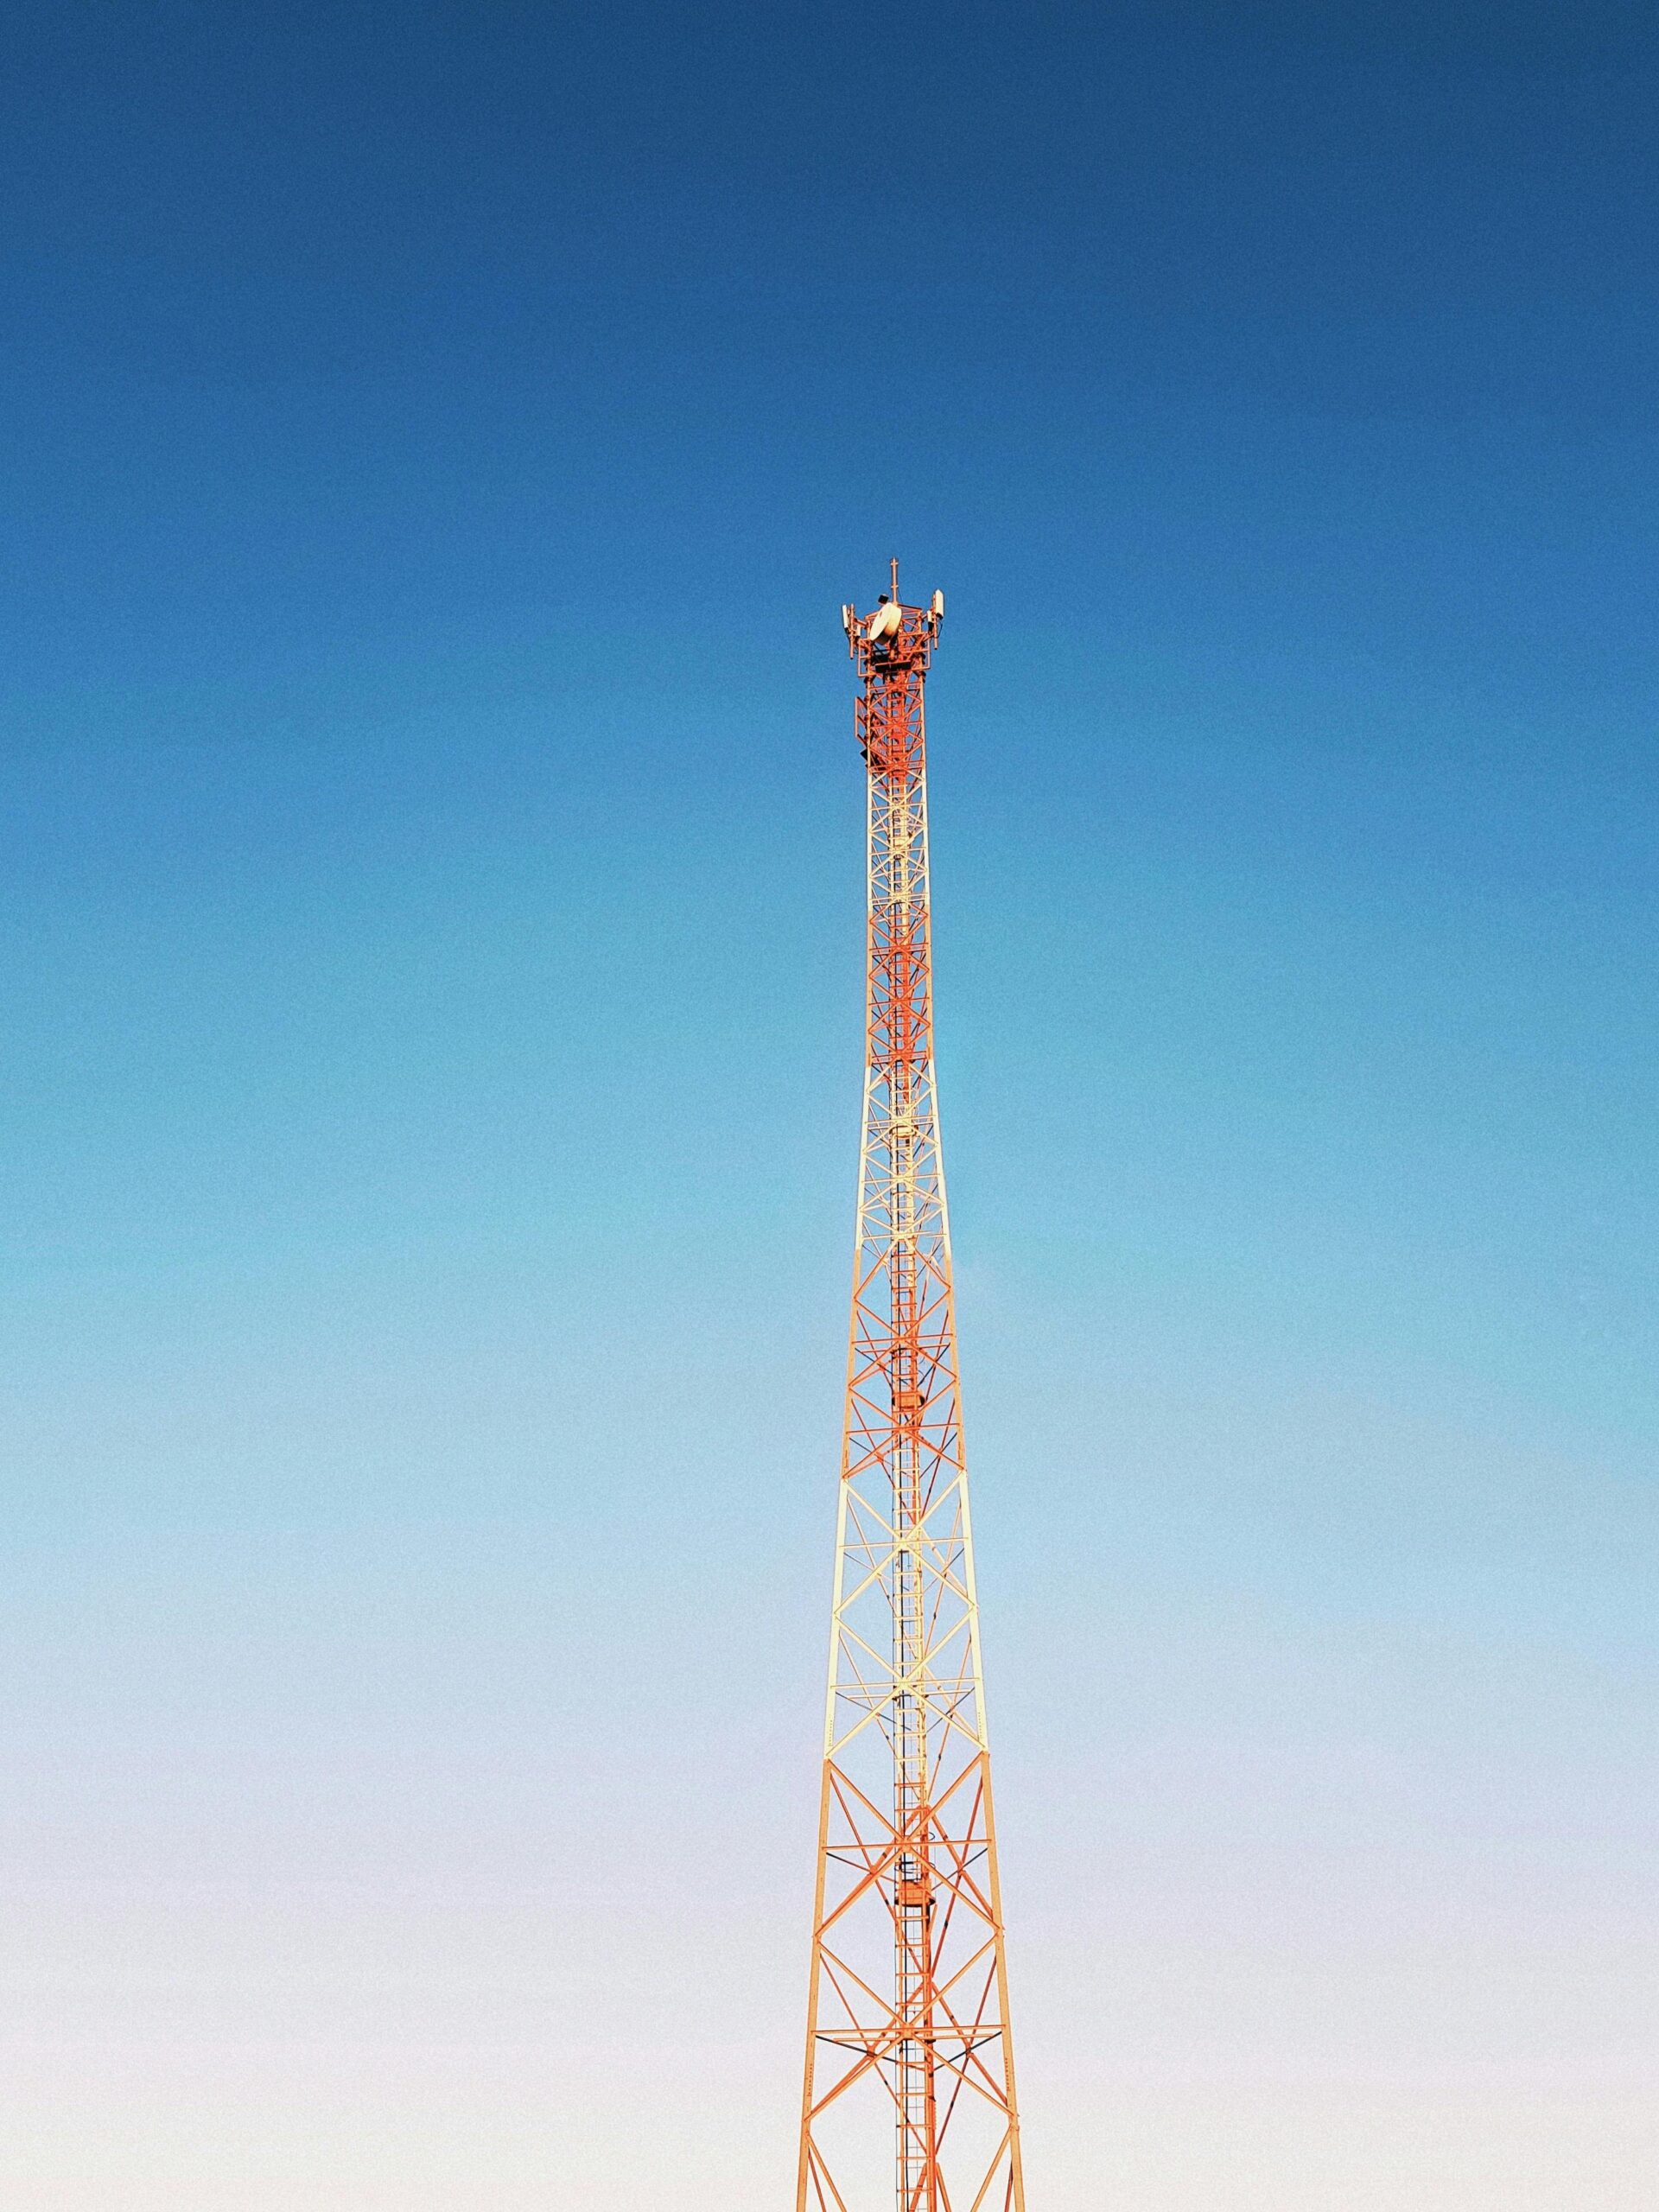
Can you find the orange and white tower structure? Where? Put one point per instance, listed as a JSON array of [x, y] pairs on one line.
[[909, 2100]]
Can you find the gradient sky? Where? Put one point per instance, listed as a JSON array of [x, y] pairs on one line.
[[434, 442]]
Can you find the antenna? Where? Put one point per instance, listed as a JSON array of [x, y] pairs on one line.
[[908, 2055]]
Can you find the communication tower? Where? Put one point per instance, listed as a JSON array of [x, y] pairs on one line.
[[909, 2099]]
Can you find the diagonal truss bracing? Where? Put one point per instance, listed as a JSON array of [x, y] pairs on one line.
[[909, 2098]]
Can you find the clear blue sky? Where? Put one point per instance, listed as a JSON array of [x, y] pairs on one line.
[[434, 442]]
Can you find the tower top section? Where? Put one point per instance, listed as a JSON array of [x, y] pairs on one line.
[[892, 637]]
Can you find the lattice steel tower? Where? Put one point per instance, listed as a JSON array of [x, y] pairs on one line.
[[909, 2100]]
